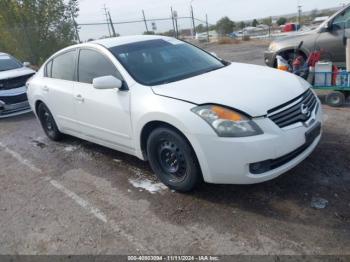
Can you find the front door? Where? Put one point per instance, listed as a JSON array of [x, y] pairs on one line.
[[102, 114], [332, 40]]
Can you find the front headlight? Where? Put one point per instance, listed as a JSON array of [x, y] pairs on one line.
[[273, 47], [226, 122]]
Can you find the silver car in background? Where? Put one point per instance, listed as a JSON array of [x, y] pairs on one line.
[[329, 36], [13, 78]]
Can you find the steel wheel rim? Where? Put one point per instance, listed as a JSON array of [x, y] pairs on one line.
[[171, 160], [48, 121]]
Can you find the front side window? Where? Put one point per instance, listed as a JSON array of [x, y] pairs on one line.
[[9, 63], [63, 66], [159, 61], [342, 20], [92, 64]]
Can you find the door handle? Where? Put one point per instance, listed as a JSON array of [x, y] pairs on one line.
[[79, 98], [45, 88]]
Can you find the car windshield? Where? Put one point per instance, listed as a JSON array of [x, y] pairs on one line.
[[156, 62], [8, 63]]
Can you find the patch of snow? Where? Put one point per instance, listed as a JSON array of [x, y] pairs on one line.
[[70, 148], [148, 185], [319, 203], [40, 139], [117, 160]]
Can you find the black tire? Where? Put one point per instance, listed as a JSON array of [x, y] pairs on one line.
[[173, 160], [48, 123], [335, 99]]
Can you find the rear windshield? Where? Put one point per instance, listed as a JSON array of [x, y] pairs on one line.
[[9, 63], [156, 62]]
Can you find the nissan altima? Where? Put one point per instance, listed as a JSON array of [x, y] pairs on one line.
[[193, 116]]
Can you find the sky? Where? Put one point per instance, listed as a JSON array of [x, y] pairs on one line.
[[125, 10]]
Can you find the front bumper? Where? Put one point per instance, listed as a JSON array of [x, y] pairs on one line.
[[229, 160], [270, 58], [14, 102]]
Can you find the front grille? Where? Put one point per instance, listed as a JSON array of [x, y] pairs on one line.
[[297, 110], [14, 99], [11, 83]]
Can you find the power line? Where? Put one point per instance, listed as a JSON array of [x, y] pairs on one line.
[[141, 21]]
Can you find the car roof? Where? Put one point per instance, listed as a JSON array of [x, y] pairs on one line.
[[123, 40]]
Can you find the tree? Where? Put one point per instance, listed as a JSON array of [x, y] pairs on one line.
[[168, 33], [242, 25], [149, 33], [225, 26], [267, 21], [314, 13], [201, 28], [255, 23], [282, 21], [34, 29], [212, 28]]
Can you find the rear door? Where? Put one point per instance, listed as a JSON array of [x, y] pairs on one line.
[[102, 114], [57, 89], [332, 40]]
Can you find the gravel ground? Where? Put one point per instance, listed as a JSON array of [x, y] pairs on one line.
[[75, 197]]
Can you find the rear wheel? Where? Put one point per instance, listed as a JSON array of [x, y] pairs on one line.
[[48, 123], [335, 99], [173, 160]]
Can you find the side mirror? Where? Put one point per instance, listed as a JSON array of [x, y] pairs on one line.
[[26, 64], [107, 82]]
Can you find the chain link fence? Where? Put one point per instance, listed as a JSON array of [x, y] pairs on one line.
[[181, 27]]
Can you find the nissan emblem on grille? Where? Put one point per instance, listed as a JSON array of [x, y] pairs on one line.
[[297, 110], [305, 111]]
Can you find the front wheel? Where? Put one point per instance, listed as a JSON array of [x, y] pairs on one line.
[[173, 160]]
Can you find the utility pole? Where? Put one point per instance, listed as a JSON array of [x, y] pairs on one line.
[[76, 29], [172, 19], [107, 20], [176, 25], [144, 19], [112, 26], [206, 21], [299, 14], [193, 23]]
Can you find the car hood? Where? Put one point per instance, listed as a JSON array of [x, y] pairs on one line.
[[16, 72], [249, 88], [295, 36]]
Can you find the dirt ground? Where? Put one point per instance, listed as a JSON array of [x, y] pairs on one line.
[[75, 197]]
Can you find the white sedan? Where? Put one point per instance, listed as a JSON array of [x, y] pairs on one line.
[[193, 116]]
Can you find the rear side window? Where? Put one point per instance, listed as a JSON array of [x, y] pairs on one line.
[[92, 64], [48, 69], [63, 66]]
